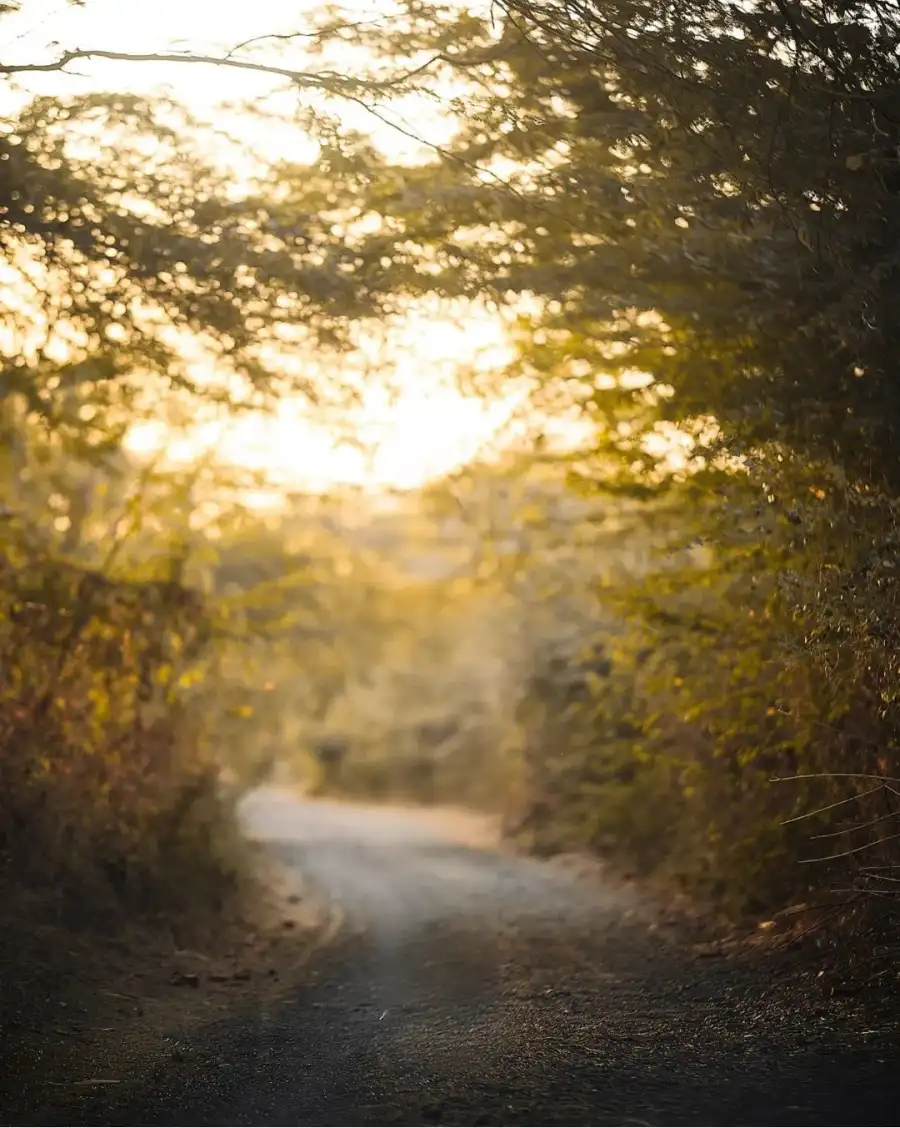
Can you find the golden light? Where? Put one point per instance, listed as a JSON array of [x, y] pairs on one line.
[[413, 422]]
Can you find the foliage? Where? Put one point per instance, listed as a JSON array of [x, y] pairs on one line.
[[129, 280], [148, 283], [598, 679], [704, 193], [707, 194], [687, 216], [108, 794]]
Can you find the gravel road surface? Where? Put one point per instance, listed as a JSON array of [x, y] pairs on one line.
[[472, 987]]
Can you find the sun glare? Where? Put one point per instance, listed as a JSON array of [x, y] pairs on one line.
[[414, 423]]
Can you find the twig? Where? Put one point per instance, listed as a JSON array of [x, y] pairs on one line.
[[884, 893], [849, 853], [318, 80], [820, 922], [853, 829], [288, 36], [835, 775], [328, 80], [830, 806]]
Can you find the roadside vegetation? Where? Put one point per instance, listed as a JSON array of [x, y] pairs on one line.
[[673, 642], [600, 681], [707, 195]]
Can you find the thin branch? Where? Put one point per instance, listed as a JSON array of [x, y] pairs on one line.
[[329, 81], [835, 775], [822, 921], [853, 829], [851, 851], [319, 33], [885, 894], [321, 80], [830, 806], [449, 155]]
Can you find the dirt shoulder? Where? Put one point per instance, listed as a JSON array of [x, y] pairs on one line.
[[831, 959], [87, 1012]]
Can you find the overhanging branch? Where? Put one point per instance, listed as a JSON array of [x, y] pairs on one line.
[[330, 81]]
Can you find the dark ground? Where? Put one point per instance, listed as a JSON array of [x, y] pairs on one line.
[[470, 987]]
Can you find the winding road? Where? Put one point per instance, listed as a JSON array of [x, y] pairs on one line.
[[472, 987]]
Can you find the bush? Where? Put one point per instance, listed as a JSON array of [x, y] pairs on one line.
[[108, 791], [735, 737]]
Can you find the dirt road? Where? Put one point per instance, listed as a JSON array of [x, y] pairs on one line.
[[470, 987]]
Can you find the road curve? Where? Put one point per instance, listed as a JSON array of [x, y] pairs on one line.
[[470, 987]]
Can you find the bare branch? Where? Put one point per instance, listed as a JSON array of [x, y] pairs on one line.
[[858, 826], [327, 80], [835, 775], [830, 806], [288, 36], [330, 81], [850, 852]]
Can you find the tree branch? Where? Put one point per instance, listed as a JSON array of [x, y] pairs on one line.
[[319, 33], [318, 80]]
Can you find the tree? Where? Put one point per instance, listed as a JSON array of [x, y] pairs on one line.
[[704, 193], [687, 217]]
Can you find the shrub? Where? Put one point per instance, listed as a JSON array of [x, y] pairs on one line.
[[108, 790]]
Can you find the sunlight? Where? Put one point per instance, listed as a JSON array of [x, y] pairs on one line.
[[413, 422]]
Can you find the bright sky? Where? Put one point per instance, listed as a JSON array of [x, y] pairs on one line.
[[429, 426]]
